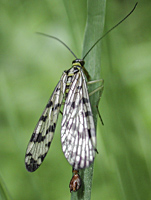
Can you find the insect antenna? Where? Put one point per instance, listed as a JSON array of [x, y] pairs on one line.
[[110, 30], [59, 41]]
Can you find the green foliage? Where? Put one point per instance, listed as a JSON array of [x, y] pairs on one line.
[[94, 29], [31, 65]]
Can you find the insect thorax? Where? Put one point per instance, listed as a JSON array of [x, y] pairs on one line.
[[77, 65]]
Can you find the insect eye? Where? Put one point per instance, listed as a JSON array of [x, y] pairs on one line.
[[82, 62], [75, 61]]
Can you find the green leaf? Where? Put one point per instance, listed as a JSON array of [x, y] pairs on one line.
[[93, 31]]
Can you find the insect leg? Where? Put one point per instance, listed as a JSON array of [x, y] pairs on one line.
[[96, 81], [60, 110], [100, 88]]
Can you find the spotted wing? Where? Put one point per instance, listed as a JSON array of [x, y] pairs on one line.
[[43, 134], [78, 136]]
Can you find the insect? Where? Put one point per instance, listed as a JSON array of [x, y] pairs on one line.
[[75, 182], [78, 135], [77, 128]]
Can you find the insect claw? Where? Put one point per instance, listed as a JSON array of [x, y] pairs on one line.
[[96, 151]]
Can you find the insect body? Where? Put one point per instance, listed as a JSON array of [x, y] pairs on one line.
[[75, 182], [78, 135]]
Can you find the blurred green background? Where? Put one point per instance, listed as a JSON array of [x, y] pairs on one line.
[[30, 67]]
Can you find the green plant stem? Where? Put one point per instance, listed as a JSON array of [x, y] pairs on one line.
[[93, 31]]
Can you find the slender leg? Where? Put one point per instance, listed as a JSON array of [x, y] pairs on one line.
[[100, 88], [96, 81], [61, 112]]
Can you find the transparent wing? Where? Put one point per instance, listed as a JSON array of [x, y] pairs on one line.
[[78, 136], [43, 134]]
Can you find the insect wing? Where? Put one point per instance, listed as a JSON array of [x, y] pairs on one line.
[[78, 136], [43, 134]]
